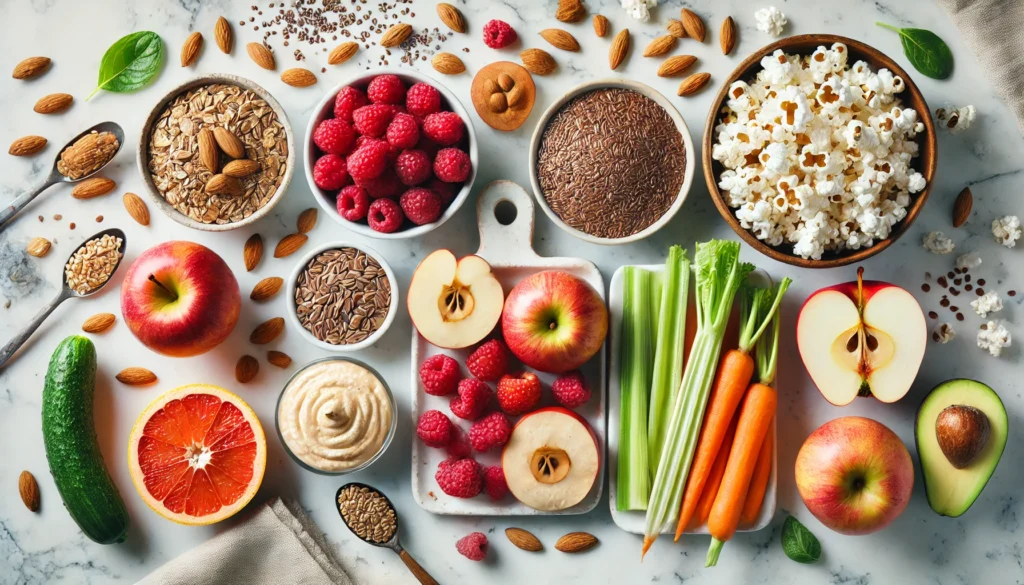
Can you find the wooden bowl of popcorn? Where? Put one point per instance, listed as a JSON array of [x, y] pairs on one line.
[[819, 151]]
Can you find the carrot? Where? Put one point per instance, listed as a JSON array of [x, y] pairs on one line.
[[759, 483], [707, 498]]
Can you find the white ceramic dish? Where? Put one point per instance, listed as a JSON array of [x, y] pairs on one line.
[[293, 278], [631, 521], [506, 244], [650, 92], [325, 109]]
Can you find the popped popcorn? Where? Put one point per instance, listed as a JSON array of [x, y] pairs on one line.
[[968, 261], [639, 9], [817, 152], [937, 243], [987, 303], [994, 337], [770, 20], [1006, 230], [943, 333], [955, 119]]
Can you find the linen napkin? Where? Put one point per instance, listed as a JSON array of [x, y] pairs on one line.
[[277, 544], [993, 30]]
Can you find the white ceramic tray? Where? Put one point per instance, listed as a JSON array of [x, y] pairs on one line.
[[505, 217], [631, 521]]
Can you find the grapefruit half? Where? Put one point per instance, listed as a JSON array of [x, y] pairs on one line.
[[197, 454]]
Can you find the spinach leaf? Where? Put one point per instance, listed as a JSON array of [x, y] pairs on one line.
[[798, 543], [926, 51], [130, 63]]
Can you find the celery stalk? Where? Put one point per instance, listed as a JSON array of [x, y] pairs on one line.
[[634, 473], [668, 352]]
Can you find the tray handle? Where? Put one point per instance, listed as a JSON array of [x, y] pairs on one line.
[[504, 214]]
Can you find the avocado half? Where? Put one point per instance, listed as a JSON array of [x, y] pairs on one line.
[[952, 491]]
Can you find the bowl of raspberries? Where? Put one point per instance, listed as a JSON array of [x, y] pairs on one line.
[[390, 154]]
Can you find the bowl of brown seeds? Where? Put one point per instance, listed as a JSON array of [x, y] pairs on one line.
[[342, 296], [216, 153], [611, 161]]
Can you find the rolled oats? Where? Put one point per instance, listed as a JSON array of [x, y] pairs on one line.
[[93, 264]]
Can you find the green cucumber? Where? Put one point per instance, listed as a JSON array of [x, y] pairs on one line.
[[72, 449]]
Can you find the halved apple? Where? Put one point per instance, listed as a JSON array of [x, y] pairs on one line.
[[454, 303], [862, 339]]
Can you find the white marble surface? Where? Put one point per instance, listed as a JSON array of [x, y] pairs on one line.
[[984, 546]]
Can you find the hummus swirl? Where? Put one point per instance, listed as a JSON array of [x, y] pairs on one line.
[[334, 415]]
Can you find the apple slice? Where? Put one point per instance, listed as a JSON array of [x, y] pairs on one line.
[[454, 303], [862, 339]]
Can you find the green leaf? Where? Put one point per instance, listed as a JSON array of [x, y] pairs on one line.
[[926, 51], [798, 543], [130, 63]]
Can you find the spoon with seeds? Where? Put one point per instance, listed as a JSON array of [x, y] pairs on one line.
[[371, 516], [84, 163], [88, 269]]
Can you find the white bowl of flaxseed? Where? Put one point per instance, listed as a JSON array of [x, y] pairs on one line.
[[226, 122]]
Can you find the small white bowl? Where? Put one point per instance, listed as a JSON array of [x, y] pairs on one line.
[[647, 91], [325, 109], [293, 317]]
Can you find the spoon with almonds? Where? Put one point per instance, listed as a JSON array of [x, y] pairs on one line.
[[88, 269], [75, 163], [371, 516]]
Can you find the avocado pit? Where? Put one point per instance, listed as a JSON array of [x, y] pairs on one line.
[[962, 432]]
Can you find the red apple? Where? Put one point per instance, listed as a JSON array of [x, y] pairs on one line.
[[854, 475], [554, 321], [180, 299]]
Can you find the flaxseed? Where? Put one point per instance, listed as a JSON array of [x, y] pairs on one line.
[[342, 296]]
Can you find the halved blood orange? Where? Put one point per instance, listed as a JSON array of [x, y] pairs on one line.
[[197, 454]]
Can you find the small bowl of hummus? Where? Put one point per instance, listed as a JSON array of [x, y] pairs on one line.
[[336, 416]]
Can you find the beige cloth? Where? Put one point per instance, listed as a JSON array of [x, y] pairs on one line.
[[277, 544], [994, 30]]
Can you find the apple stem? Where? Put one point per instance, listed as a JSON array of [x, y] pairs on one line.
[[161, 285]]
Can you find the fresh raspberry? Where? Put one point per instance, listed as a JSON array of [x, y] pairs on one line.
[[349, 99], [413, 167], [435, 429], [571, 390], [368, 161], [386, 89], [403, 132], [452, 165], [353, 203], [447, 191], [439, 375], [422, 99], [444, 128], [373, 120], [494, 482], [518, 394], [489, 361], [473, 398], [473, 546], [498, 34], [459, 478], [421, 205], [334, 136], [459, 446], [490, 432], [428, 146], [386, 185], [385, 216], [329, 172]]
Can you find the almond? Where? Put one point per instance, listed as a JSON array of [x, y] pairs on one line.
[[267, 331], [27, 145], [223, 185], [289, 245], [136, 208], [693, 84], [252, 252], [560, 39], [31, 67], [523, 539], [570, 11], [538, 61], [962, 207], [38, 247], [29, 490], [261, 55], [93, 187], [239, 168], [675, 28], [600, 25], [228, 142], [298, 77], [342, 53], [620, 46], [223, 35], [209, 153], [451, 17], [246, 369], [98, 323], [307, 221], [190, 50], [266, 288], [660, 46], [53, 103], [676, 65], [135, 376], [448, 64], [279, 359], [727, 36], [692, 24], [575, 542], [396, 35]]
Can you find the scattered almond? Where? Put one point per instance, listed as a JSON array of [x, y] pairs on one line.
[[620, 46], [228, 142], [289, 245], [209, 153], [190, 49], [98, 323], [136, 376], [600, 25], [692, 24], [693, 84], [223, 35], [675, 28], [570, 11], [538, 61], [27, 145], [267, 331], [38, 247], [575, 542], [136, 208], [523, 539], [279, 359], [342, 53], [29, 490], [727, 36], [223, 185], [962, 207], [239, 168], [560, 39], [261, 55], [246, 369], [396, 35], [660, 46], [307, 221], [675, 65], [93, 187], [298, 77], [53, 103], [31, 67], [448, 64], [252, 252], [266, 288], [451, 17]]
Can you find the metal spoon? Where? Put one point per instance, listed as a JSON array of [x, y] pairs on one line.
[[7, 214], [414, 567], [66, 293]]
